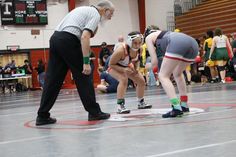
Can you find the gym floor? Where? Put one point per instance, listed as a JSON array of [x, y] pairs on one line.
[[208, 130]]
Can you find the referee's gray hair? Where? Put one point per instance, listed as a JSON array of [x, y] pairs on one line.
[[105, 4]]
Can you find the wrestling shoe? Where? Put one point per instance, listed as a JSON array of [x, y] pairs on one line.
[[122, 109], [143, 105], [173, 113], [185, 109]]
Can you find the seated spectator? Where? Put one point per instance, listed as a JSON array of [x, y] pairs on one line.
[[11, 65], [104, 52], [103, 68], [108, 83], [27, 67], [1, 69]]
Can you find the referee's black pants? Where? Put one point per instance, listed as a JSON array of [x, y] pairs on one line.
[[66, 53]]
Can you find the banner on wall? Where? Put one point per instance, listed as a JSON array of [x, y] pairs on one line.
[[7, 12]]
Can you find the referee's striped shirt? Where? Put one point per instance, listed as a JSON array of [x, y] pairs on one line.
[[79, 19]]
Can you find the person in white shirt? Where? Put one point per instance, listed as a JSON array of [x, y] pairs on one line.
[[219, 52]]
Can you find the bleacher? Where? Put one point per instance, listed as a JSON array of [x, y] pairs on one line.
[[208, 15]]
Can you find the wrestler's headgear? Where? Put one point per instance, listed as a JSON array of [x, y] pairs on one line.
[[148, 31], [131, 38]]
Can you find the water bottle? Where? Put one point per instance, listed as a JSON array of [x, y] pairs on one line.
[[152, 79]]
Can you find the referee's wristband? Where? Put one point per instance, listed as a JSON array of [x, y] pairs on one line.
[[86, 60]]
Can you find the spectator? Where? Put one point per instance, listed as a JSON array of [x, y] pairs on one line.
[[234, 51], [27, 67], [108, 83], [41, 72], [213, 75], [234, 42], [219, 53], [105, 59], [1, 70], [142, 64], [11, 65], [104, 52]]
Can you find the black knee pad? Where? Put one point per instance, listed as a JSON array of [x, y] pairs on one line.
[[221, 68]]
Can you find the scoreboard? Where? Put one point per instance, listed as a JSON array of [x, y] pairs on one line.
[[24, 12]]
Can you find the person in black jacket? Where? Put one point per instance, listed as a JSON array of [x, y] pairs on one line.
[[41, 72], [103, 54]]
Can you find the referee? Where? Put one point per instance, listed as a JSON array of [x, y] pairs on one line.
[[69, 49]]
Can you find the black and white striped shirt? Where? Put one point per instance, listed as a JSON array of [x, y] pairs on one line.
[[79, 19]]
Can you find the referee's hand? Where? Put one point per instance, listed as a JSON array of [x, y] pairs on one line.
[[86, 69]]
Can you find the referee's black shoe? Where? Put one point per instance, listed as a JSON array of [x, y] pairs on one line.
[[45, 121], [100, 116]]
